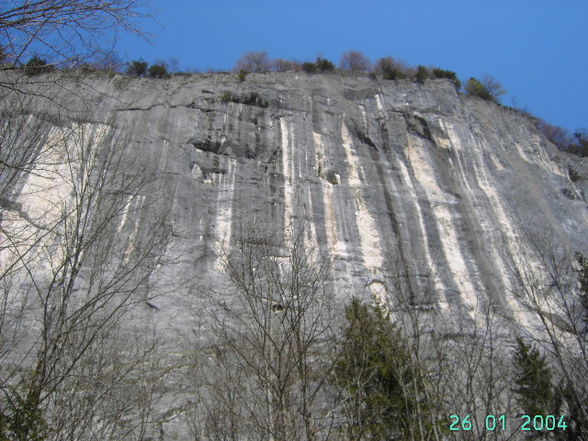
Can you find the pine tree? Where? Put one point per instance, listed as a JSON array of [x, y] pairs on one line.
[[533, 380], [379, 379]]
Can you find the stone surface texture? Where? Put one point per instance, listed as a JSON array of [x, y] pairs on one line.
[[384, 173]]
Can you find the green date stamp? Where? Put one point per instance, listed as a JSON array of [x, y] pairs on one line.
[[502, 422]]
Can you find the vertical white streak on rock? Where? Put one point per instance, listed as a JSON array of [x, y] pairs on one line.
[[310, 237], [334, 241], [125, 214], [319, 154], [506, 227], [379, 104], [364, 120], [454, 140], [369, 236], [429, 263], [287, 167], [521, 152], [224, 207], [439, 201], [140, 200]]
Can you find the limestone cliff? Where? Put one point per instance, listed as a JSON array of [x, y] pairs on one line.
[[387, 175]]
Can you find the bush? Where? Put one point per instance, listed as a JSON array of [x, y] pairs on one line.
[[422, 74], [320, 65], [254, 61], [137, 68], [493, 87], [158, 71], [36, 66], [578, 144], [324, 65], [242, 75], [391, 69], [253, 99], [475, 88], [309, 67], [441, 73], [281, 65], [355, 62]]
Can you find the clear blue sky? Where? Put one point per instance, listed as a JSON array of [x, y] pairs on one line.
[[537, 49]]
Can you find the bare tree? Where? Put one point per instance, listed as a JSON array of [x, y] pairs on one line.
[[254, 61], [281, 65], [493, 87], [71, 268], [63, 30], [551, 282], [272, 356], [355, 61]]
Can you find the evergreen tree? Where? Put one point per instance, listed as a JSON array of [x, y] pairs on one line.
[[422, 74], [533, 380], [381, 384]]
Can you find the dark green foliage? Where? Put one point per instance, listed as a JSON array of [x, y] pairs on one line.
[[309, 67], [582, 271], [568, 404], [320, 65], [475, 88], [158, 71], [137, 67], [377, 374], [324, 65], [533, 389], [441, 73], [391, 69], [20, 418], [36, 66], [580, 144], [422, 74], [252, 99], [242, 75]]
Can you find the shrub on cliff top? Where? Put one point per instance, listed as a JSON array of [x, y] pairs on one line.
[[441, 73], [355, 61], [137, 67], [320, 65], [158, 71], [254, 61], [475, 88], [391, 69], [422, 74], [36, 66]]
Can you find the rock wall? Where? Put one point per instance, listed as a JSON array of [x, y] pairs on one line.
[[385, 174]]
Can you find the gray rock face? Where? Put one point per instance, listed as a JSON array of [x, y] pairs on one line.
[[438, 180], [384, 173]]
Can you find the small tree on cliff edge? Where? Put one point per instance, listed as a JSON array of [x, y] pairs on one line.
[[355, 61], [254, 61], [488, 88]]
